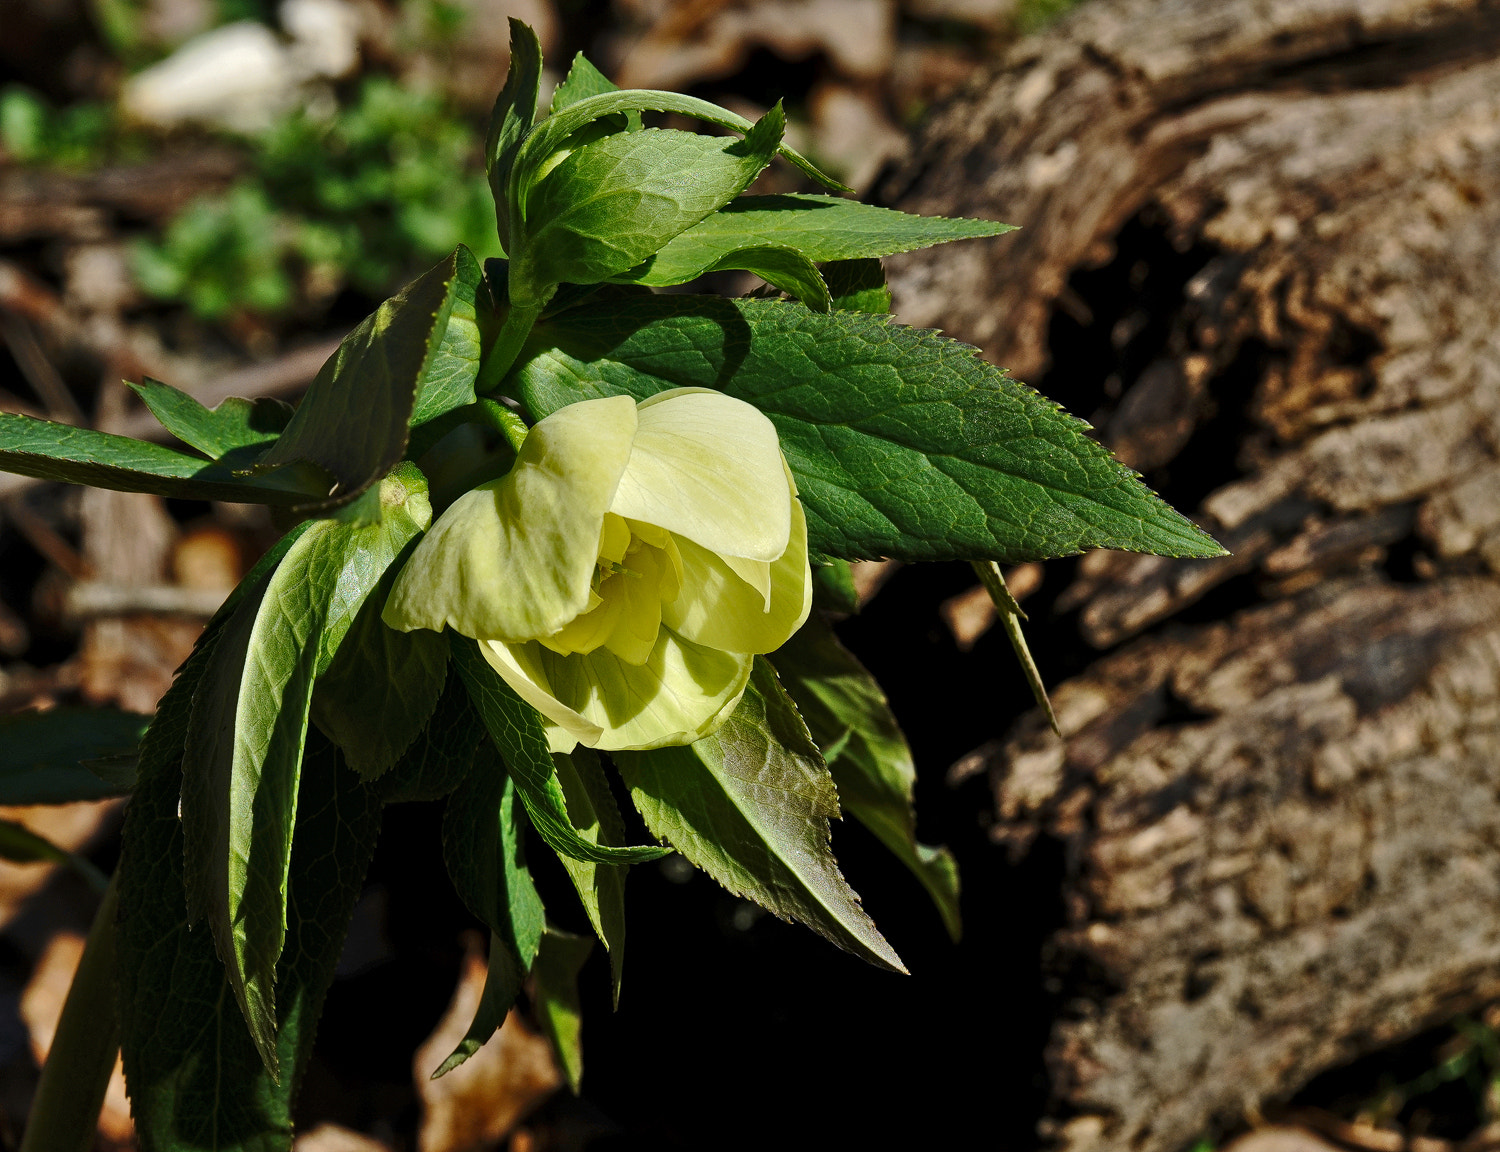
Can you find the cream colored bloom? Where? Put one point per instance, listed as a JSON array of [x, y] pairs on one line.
[[624, 573]]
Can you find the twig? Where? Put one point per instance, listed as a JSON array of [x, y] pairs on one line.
[[91, 598]]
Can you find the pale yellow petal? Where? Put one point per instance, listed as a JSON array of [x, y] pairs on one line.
[[529, 681], [718, 608], [681, 694], [515, 558], [708, 467]]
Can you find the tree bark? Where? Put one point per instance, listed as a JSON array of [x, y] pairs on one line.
[[1280, 805]]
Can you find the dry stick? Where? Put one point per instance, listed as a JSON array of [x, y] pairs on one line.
[[1010, 618], [44, 379]]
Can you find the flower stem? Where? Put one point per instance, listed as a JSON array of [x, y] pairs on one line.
[[65, 1111], [507, 346], [1011, 617]]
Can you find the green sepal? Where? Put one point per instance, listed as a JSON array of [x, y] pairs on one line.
[[850, 720], [45, 757], [750, 806], [216, 432], [559, 1008], [904, 444], [516, 729]]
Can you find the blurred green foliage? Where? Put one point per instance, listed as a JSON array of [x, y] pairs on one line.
[[81, 135], [1032, 15], [366, 197]]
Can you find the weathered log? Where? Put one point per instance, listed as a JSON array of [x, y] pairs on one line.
[[1281, 815]]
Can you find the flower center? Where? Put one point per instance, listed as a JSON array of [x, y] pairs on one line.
[[638, 570]]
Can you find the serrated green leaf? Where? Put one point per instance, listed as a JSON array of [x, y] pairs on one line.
[[516, 730], [216, 432], [601, 887], [195, 1079], [904, 444], [750, 805], [613, 202], [858, 286], [381, 688], [354, 421], [559, 1009], [783, 267], [484, 850], [540, 146], [448, 377], [850, 720], [61, 452], [582, 81], [822, 228], [247, 730], [42, 753], [512, 117], [439, 760]]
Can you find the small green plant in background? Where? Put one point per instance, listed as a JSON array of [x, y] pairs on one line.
[[363, 197], [32, 131], [547, 523]]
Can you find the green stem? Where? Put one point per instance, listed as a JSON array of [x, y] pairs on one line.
[[504, 421], [1010, 618], [65, 1111], [507, 346]]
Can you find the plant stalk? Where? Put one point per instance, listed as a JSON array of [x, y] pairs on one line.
[[65, 1111], [507, 346], [1010, 618]]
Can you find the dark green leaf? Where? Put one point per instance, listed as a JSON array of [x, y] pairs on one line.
[[904, 444], [750, 806], [72, 455], [485, 853], [601, 887], [516, 730], [245, 739], [822, 228], [353, 422], [41, 753], [858, 286], [559, 1009], [195, 1079], [613, 202], [833, 588], [502, 983], [381, 688], [848, 716], [21, 844], [512, 117], [216, 432], [440, 758]]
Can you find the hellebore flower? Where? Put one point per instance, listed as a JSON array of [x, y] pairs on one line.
[[623, 574]]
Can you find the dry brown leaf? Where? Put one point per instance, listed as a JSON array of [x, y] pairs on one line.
[[334, 1138], [477, 1103]]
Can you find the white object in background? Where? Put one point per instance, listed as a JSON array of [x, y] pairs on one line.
[[238, 76]]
